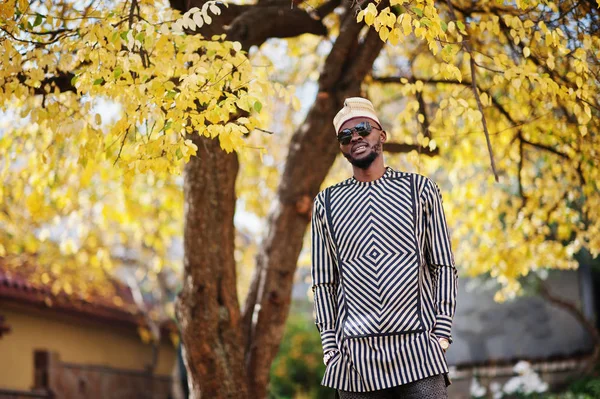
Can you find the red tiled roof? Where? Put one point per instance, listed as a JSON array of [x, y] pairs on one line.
[[14, 286]]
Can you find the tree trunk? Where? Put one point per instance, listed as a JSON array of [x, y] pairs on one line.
[[208, 307]]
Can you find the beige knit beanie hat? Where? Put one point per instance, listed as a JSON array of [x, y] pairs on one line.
[[354, 107]]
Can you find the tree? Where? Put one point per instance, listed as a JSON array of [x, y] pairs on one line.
[[451, 77]]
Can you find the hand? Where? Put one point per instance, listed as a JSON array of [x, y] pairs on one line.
[[444, 343], [327, 357]]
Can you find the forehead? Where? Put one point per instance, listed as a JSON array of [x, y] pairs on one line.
[[355, 121]]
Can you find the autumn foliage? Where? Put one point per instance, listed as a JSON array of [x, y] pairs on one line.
[[102, 105]]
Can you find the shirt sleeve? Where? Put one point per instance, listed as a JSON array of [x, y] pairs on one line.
[[324, 276], [438, 253]]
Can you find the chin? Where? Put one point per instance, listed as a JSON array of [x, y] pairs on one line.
[[364, 160]]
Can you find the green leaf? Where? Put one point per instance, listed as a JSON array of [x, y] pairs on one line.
[[257, 106], [179, 153], [460, 25], [73, 80], [140, 37], [418, 11], [426, 22], [171, 94], [167, 125], [117, 72], [98, 81], [124, 35], [444, 26], [38, 20]]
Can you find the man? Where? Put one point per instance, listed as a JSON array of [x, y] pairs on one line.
[[383, 272]]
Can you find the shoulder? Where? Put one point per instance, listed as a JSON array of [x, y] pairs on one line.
[[422, 183], [321, 194], [426, 188]]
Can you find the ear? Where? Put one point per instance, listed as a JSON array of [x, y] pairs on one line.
[[383, 136]]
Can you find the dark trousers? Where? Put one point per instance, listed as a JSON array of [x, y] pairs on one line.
[[427, 388]]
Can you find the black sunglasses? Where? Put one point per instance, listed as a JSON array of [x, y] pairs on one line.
[[363, 129]]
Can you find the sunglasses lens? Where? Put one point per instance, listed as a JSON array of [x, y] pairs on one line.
[[345, 136], [363, 129]]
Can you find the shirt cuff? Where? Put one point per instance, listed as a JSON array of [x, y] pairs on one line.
[[443, 327], [328, 340]]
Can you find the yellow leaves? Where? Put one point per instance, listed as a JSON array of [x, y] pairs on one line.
[[485, 99], [449, 71], [68, 246], [516, 83], [463, 103], [394, 37], [526, 52], [384, 33], [196, 18], [406, 21], [369, 17], [550, 62], [7, 10], [35, 204]]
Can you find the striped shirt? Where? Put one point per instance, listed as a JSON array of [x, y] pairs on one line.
[[384, 280]]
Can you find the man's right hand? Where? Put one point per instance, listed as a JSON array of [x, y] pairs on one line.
[[328, 356]]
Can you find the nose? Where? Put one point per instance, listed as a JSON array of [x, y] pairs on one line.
[[355, 137]]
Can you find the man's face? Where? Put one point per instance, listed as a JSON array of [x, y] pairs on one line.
[[362, 151]]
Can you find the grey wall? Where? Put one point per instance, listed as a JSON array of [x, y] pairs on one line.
[[524, 328]]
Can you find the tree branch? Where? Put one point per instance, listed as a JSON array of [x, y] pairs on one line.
[[257, 24], [467, 47], [579, 316], [520, 172], [327, 8], [61, 80], [397, 148], [545, 147], [253, 24]]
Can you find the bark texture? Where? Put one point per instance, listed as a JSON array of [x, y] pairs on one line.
[[208, 307]]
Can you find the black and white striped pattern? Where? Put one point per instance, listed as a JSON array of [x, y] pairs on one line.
[[384, 280]]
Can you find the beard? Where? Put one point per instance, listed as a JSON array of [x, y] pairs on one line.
[[367, 160]]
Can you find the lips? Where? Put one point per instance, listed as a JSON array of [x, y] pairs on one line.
[[359, 148]]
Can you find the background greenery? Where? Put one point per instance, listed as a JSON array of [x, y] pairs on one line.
[[298, 367]]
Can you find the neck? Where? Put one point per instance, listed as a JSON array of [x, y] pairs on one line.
[[373, 172]]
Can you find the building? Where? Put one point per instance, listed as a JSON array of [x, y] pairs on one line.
[[64, 347]]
